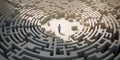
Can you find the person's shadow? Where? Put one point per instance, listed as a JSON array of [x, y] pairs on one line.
[[62, 34]]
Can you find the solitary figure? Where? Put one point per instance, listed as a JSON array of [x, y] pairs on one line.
[[59, 28]]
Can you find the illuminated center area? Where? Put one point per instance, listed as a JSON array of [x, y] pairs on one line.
[[67, 27]]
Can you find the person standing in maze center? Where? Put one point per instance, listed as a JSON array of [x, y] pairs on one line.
[[59, 28]]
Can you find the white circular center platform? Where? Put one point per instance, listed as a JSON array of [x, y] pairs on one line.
[[66, 27]]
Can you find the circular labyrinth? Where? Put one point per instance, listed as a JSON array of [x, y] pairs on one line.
[[90, 30]]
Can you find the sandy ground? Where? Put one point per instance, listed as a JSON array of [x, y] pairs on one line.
[[66, 26]]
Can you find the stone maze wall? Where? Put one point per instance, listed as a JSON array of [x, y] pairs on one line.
[[23, 38]]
